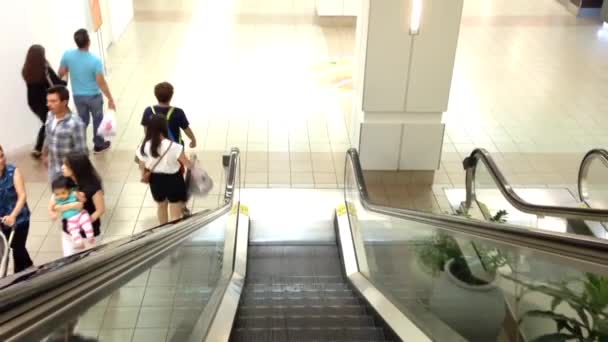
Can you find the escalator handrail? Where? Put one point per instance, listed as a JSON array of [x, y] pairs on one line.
[[583, 172], [481, 155], [45, 278], [589, 249]]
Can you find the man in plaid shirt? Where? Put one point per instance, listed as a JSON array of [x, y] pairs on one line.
[[64, 132]]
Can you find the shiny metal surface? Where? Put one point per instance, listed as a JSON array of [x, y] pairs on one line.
[[4, 254], [591, 250], [393, 317], [39, 299], [225, 312], [481, 155], [401, 325], [600, 155], [347, 247]]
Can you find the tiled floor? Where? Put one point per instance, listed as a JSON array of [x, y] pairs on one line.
[[528, 86]]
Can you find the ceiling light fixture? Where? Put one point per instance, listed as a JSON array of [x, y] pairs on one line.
[[416, 17]]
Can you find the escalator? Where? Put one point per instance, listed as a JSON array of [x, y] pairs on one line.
[[298, 293], [375, 274], [487, 186]]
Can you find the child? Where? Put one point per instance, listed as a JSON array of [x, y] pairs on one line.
[[64, 194], [176, 118]]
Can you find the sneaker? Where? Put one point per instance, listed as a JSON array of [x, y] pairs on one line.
[[186, 212], [103, 148], [36, 154]]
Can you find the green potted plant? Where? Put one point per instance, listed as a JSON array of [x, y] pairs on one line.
[[583, 318], [462, 280]]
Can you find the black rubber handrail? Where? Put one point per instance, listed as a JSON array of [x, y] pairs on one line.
[[480, 155], [583, 172], [22, 287], [581, 248]]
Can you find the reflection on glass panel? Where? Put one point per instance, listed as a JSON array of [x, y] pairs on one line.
[[458, 288], [597, 184], [163, 303]]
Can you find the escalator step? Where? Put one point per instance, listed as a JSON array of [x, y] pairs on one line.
[[319, 310], [257, 301], [304, 322], [275, 293], [320, 335]]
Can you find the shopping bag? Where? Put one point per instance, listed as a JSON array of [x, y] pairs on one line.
[[108, 127], [197, 179]]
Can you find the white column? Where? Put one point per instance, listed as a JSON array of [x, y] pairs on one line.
[[402, 81]]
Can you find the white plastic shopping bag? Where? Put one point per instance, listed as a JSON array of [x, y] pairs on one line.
[[199, 181], [108, 127]]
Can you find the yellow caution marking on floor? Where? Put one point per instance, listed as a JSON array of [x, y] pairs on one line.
[[341, 210]]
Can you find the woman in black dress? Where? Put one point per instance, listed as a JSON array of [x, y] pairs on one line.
[[39, 77], [78, 167]]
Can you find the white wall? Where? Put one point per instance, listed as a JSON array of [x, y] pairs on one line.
[[18, 125], [121, 14], [42, 22]]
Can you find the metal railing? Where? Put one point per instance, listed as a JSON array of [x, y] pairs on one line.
[[480, 155], [31, 300], [591, 250], [583, 172]]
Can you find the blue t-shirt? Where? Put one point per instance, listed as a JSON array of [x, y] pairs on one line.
[[83, 67]]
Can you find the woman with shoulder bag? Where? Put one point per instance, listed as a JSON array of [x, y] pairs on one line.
[[160, 160], [39, 77]]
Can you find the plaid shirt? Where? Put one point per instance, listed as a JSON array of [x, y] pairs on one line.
[[67, 137]]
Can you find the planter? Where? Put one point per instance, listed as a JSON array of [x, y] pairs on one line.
[[476, 312]]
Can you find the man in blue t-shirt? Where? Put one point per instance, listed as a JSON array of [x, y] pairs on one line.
[[88, 82], [176, 118]]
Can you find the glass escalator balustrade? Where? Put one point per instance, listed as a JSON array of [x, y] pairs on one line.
[[555, 209], [163, 302], [594, 185], [169, 298], [298, 293], [458, 288]]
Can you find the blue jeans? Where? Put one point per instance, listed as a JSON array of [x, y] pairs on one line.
[[87, 107]]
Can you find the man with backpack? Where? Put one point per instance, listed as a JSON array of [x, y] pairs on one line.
[[176, 118]]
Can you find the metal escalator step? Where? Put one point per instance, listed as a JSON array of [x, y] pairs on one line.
[[258, 335], [308, 335], [304, 322], [313, 310], [278, 293], [301, 301]]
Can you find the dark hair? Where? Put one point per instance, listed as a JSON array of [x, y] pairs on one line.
[[156, 130], [81, 38], [62, 182], [84, 171], [62, 91], [163, 92], [34, 68]]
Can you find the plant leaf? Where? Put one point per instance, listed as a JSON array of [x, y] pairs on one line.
[[554, 316], [555, 302], [601, 326], [555, 337]]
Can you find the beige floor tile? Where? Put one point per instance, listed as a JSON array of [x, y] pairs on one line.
[[52, 243], [301, 166], [130, 201], [323, 166], [325, 178], [116, 335], [279, 179], [302, 179], [255, 179], [256, 166], [125, 214]]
